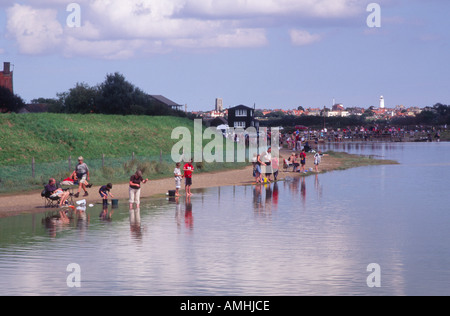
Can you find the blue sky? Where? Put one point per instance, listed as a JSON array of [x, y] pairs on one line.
[[275, 53]]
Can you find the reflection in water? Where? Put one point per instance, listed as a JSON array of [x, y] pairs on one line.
[[56, 222], [317, 186], [135, 224], [65, 219], [303, 191], [270, 193], [257, 205], [254, 240], [188, 216], [105, 214], [275, 193]]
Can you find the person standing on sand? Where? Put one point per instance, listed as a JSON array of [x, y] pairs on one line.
[[303, 161], [317, 160], [82, 173], [259, 172], [268, 163], [135, 188], [178, 177], [188, 170]]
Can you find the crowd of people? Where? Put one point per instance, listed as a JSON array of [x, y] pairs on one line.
[[361, 133], [80, 177]]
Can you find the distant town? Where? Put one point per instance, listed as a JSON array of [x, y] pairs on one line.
[[337, 110], [85, 99]]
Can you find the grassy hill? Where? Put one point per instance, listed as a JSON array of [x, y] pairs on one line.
[[52, 138]]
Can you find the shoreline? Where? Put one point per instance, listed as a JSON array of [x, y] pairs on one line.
[[33, 203]]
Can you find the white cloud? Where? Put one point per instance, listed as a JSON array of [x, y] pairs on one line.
[[122, 29], [252, 8], [36, 30], [301, 37], [238, 38]]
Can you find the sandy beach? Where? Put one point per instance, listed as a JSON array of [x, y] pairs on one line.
[[32, 202]]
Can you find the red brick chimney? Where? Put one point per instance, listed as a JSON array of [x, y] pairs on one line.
[[6, 68], [6, 77]]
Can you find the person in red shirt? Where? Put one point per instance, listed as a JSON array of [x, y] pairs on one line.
[[188, 170], [303, 161]]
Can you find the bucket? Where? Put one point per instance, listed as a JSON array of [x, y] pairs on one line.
[[172, 192], [115, 203]]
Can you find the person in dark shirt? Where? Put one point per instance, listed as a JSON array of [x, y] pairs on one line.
[[54, 192], [135, 188], [105, 191]]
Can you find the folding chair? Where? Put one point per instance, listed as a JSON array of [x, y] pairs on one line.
[[50, 201], [286, 164]]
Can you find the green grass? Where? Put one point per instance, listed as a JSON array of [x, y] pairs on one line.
[[51, 138], [351, 161], [445, 136]]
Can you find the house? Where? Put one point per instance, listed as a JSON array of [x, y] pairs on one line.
[[337, 114], [163, 100], [6, 77], [296, 112], [216, 122], [338, 107], [241, 116], [313, 112], [35, 108]]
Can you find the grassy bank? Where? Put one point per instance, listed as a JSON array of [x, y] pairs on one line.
[[445, 136], [347, 161], [113, 147], [53, 137]]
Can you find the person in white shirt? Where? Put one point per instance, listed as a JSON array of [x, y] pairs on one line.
[[178, 176]]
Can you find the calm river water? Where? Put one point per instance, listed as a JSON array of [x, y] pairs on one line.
[[310, 236]]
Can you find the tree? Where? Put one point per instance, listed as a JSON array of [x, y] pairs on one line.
[[9, 102], [117, 96], [114, 96], [427, 118], [81, 99]]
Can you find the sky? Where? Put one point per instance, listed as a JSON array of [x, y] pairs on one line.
[[275, 54]]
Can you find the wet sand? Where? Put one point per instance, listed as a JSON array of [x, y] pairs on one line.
[[32, 202]]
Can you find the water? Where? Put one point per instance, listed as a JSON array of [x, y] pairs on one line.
[[310, 236]]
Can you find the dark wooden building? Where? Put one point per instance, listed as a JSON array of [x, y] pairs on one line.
[[165, 101], [241, 116]]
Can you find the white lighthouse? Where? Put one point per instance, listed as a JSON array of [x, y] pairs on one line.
[[381, 102]]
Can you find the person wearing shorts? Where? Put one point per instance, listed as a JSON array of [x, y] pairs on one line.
[[317, 160], [178, 177], [56, 192], [188, 170], [303, 161], [82, 174], [105, 191]]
